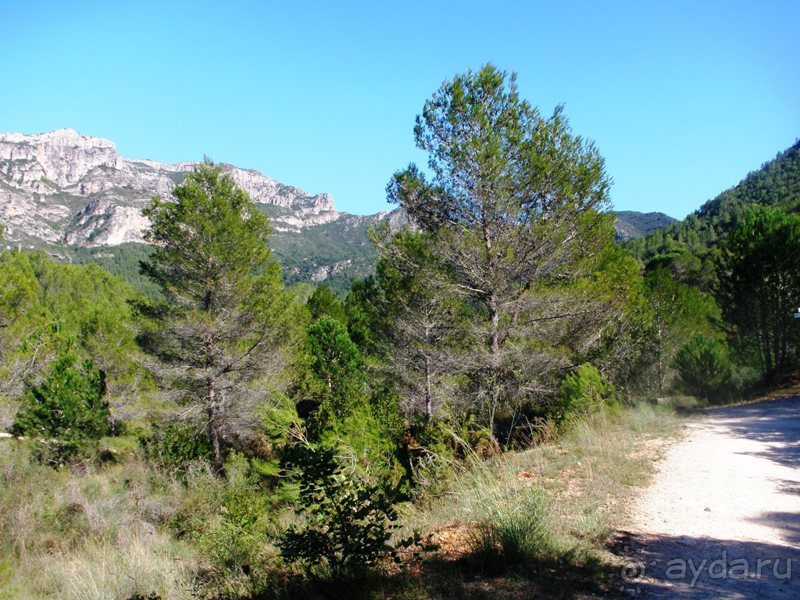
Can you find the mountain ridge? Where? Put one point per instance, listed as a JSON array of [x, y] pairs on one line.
[[62, 186], [775, 183], [78, 198]]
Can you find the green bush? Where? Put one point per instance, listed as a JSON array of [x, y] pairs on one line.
[[229, 519], [705, 370], [431, 458], [176, 446], [365, 443], [346, 521], [66, 411], [584, 391], [334, 380]]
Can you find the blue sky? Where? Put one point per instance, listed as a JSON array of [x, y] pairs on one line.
[[681, 98]]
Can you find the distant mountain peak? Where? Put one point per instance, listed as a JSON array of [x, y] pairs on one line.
[[632, 224], [64, 187]]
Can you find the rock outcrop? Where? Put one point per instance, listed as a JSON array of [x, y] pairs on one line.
[[64, 187]]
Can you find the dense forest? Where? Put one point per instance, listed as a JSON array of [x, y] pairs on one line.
[[776, 184], [277, 435]]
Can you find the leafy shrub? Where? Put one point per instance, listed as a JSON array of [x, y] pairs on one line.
[[429, 458], [177, 445], [66, 411], [705, 369], [473, 439], [367, 446], [584, 391], [226, 518], [346, 520]]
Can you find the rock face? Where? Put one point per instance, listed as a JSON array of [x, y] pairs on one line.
[[630, 224], [64, 187]]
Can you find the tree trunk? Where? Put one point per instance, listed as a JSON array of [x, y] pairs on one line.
[[766, 348], [428, 400], [212, 413], [660, 364], [212, 408], [494, 350]]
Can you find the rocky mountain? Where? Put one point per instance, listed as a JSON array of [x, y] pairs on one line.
[[76, 197], [64, 187], [631, 224]]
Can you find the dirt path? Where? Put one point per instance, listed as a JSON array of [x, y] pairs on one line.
[[722, 518]]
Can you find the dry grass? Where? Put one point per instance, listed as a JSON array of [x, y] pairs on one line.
[[88, 535], [579, 486], [140, 564], [100, 533]]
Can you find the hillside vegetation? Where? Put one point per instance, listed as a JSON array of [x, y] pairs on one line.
[[776, 184]]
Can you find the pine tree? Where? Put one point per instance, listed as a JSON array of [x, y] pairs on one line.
[[225, 322], [422, 315], [68, 405], [323, 303], [512, 205], [760, 285], [335, 381]]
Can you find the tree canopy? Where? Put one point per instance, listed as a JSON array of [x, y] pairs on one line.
[[760, 285]]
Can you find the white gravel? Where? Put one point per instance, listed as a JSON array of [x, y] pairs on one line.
[[725, 497]]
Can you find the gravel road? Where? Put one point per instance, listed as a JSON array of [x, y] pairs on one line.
[[722, 517]]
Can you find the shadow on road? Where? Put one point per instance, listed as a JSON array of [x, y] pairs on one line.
[[774, 422], [664, 566]]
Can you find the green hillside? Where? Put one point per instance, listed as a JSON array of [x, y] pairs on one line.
[[334, 252], [776, 183]]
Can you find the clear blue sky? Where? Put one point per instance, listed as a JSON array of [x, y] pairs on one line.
[[681, 98]]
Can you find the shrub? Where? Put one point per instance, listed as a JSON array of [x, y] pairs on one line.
[[66, 411], [430, 458], [346, 520], [176, 446], [226, 517], [584, 391], [364, 442], [705, 369]]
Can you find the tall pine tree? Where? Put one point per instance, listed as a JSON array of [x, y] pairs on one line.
[[513, 207], [226, 320]]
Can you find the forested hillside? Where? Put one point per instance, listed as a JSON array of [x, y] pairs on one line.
[[775, 184], [335, 253]]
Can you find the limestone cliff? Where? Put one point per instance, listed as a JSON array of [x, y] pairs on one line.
[[64, 187]]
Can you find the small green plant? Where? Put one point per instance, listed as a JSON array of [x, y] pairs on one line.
[[512, 522], [7, 590], [512, 534], [346, 521], [225, 517], [177, 445], [66, 412], [705, 369], [584, 391]]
